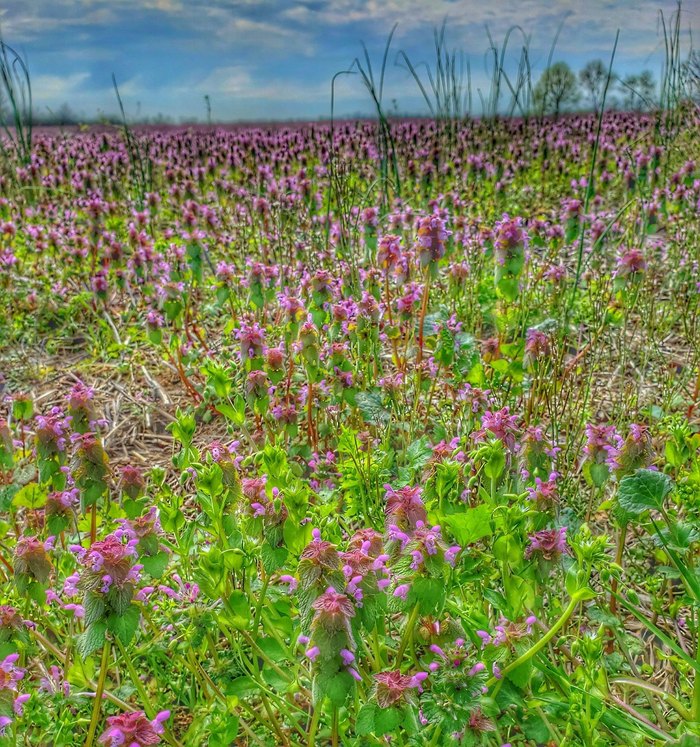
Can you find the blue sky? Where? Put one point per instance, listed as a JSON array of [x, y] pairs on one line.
[[274, 59]]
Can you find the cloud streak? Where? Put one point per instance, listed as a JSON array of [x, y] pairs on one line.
[[258, 58]]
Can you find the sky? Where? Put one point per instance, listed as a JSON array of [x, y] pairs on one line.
[[274, 59]]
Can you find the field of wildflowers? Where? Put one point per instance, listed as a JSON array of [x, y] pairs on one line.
[[300, 450]]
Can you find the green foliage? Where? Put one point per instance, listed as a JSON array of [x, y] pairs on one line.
[[556, 89], [643, 491]]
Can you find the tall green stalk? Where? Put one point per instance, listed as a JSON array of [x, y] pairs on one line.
[[97, 706], [16, 89]]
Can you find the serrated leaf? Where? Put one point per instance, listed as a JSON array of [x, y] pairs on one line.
[[124, 626], [536, 729], [119, 598], [679, 537], [7, 493], [239, 609], [643, 491], [386, 720], [94, 608], [273, 558], [429, 593], [470, 525], [520, 676], [365, 720], [92, 639], [445, 350], [418, 453], [155, 565], [338, 687], [370, 405], [55, 524], [31, 496]]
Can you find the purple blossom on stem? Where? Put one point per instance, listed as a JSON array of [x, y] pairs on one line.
[[549, 544]]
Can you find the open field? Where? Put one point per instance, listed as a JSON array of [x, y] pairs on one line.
[[336, 434]]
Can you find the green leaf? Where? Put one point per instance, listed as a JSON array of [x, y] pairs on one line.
[[93, 491], [386, 720], [370, 405], [273, 558], [643, 491], [337, 688], [226, 733], [418, 453], [365, 720], [56, 524], [535, 729], [94, 608], [124, 626], [31, 496], [92, 639], [507, 549], [520, 676], [428, 592], [155, 565], [240, 610], [272, 649], [679, 537], [471, 525], [241, 686], [37, 592], [234, 412], [7, 493], [445, 350], [688, 571], [119, 598], [47, 468], [599, 473], [296, 536]]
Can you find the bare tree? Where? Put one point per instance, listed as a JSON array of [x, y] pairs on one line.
[[592, 79], [691, 75], [638, 91]]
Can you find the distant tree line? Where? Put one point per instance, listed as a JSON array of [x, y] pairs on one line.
[[559, 89], [65, 116]]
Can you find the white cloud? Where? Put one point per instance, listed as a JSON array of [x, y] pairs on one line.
[[232, 80], [57, 88], [272, 37], [588, 26]]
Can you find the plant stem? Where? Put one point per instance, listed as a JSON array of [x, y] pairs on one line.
[[546, 638], [98, 695], [423, 312], [682, 711], [613, 584], [314, 726], [696, 685], [143, 695], [436, 736], [249, 640], [407, 634], [334, 727], [259, 606], [63, 658], [93, 524]]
